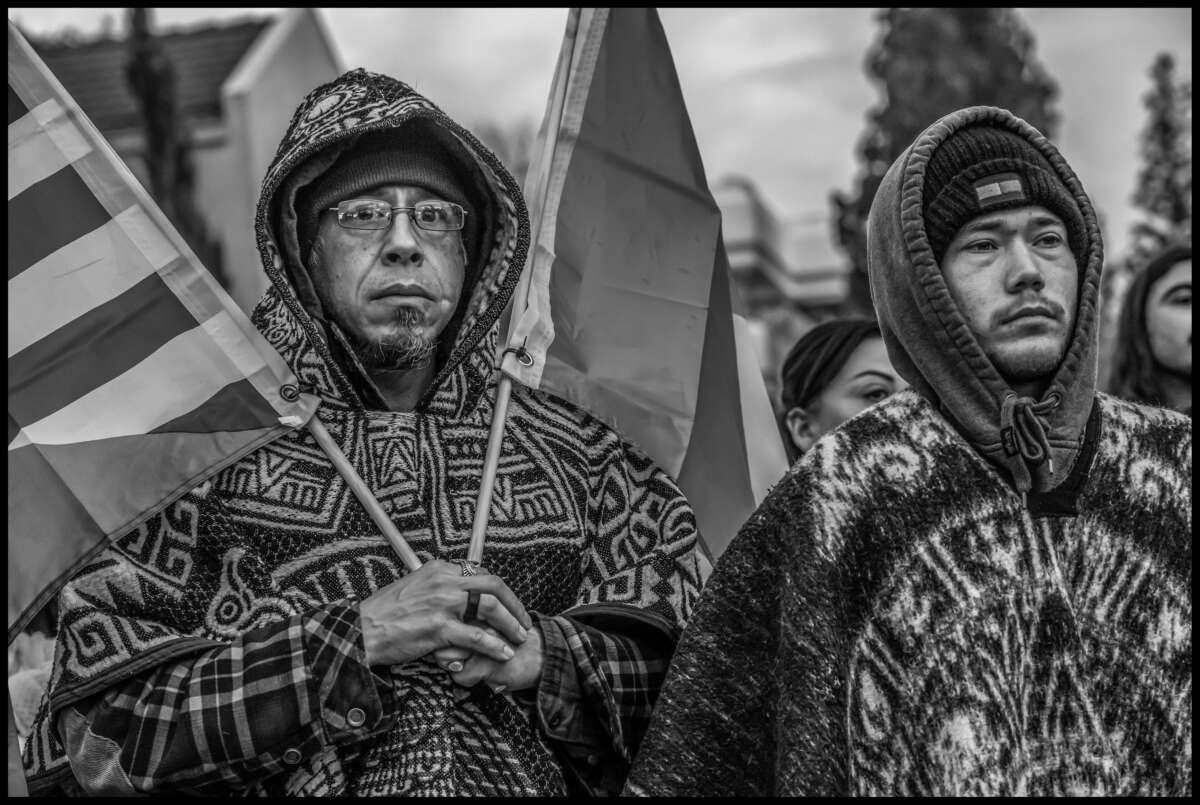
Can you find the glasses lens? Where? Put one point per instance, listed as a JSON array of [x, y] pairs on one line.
[[439, 216], [364, 214]]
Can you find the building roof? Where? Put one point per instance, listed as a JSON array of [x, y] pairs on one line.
[[93, 72]]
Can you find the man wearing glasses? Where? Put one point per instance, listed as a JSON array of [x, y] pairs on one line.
[[384, 233], [260, 636]]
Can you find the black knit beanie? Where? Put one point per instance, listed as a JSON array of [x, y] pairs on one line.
[[407, 156], [980, 170]]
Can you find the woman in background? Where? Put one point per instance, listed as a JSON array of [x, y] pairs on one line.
[[1152, 361], [837, 369]]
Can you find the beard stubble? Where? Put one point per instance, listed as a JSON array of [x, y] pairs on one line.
[[401, 349]]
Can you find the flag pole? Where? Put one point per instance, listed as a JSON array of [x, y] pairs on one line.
[[17, 787], [363, 492], [504, 391], [490, 464]]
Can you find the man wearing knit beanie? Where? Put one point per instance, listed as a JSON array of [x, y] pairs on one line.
[[992, 201], [411, 156], [286, 646], [981, 170], [980, 585], [387, 322]]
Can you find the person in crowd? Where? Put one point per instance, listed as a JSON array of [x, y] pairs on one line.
[[982, 584], [1152, 358], [259, 636], [836, 369]]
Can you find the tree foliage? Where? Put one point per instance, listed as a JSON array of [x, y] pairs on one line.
[[1163, 194], [929, 62], [1164, 184]]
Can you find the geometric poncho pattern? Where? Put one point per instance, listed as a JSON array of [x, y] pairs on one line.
[[893, 621], [578, 516]]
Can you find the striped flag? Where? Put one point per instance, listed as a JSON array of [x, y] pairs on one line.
[[628, 307], [132, 376]]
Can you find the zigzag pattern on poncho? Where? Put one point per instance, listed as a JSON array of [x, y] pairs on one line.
[[578, 516], [280, 531]]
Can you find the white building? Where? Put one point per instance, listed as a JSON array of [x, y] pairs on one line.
[[788, 273]]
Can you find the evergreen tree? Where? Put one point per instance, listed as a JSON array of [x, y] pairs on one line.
[[929, 62], [1164, 187], [1163, 193]]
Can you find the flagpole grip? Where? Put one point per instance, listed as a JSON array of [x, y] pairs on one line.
[[363, 492], [490, 463]]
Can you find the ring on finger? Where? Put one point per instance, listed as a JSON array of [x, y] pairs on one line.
[[472, 610], [469, 568]]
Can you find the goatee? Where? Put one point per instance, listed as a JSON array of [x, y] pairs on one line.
[[399, 350]]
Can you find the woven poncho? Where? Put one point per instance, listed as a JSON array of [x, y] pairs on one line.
[[920, 608], [277, 546], [895, 621]]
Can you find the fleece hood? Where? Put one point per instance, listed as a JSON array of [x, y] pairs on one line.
[[1034, 442], [330, 121]]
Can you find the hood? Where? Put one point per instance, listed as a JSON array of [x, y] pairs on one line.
[[329, 121], [931, 346]]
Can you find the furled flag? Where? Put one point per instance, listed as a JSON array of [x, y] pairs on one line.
[[132, 376], [628, 307]]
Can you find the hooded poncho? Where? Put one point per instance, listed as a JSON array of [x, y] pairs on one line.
[[217, 647], [900, 618]]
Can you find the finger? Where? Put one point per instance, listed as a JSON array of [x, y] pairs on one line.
[[495, 615], [452, 658], [455, 568], [441, 567], [476, 639], [495, 586], [475, 670], [450, 654]]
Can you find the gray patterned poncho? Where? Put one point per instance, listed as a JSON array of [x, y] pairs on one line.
[[217, 647], [895, 621], [959, 591]]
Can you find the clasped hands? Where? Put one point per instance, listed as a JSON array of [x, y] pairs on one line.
[[422, 614]]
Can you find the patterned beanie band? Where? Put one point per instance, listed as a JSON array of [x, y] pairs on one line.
[[979, 170], [404, 158]]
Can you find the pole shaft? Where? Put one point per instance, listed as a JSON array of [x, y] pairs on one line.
[[363, 492], [490, 463]]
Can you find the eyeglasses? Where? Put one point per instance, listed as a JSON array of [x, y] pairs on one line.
[[432, 216]]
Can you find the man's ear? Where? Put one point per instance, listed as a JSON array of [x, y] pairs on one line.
[[801, 428]]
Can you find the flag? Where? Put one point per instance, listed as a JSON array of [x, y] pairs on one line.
[[628, 307], [132, 376]]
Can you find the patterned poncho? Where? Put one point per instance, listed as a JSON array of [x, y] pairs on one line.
[[894, 620], [959, 591], [217, 647]]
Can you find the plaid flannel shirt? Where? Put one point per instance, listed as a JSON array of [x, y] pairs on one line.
[[595, 699], [236, 715]]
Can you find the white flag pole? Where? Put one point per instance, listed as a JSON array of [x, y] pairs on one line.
[[504, 391], [363, 492], [491, 462]]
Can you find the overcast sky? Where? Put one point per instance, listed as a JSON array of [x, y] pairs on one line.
[[778, 95]]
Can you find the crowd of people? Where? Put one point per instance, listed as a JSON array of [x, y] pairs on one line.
[[974, 578]]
